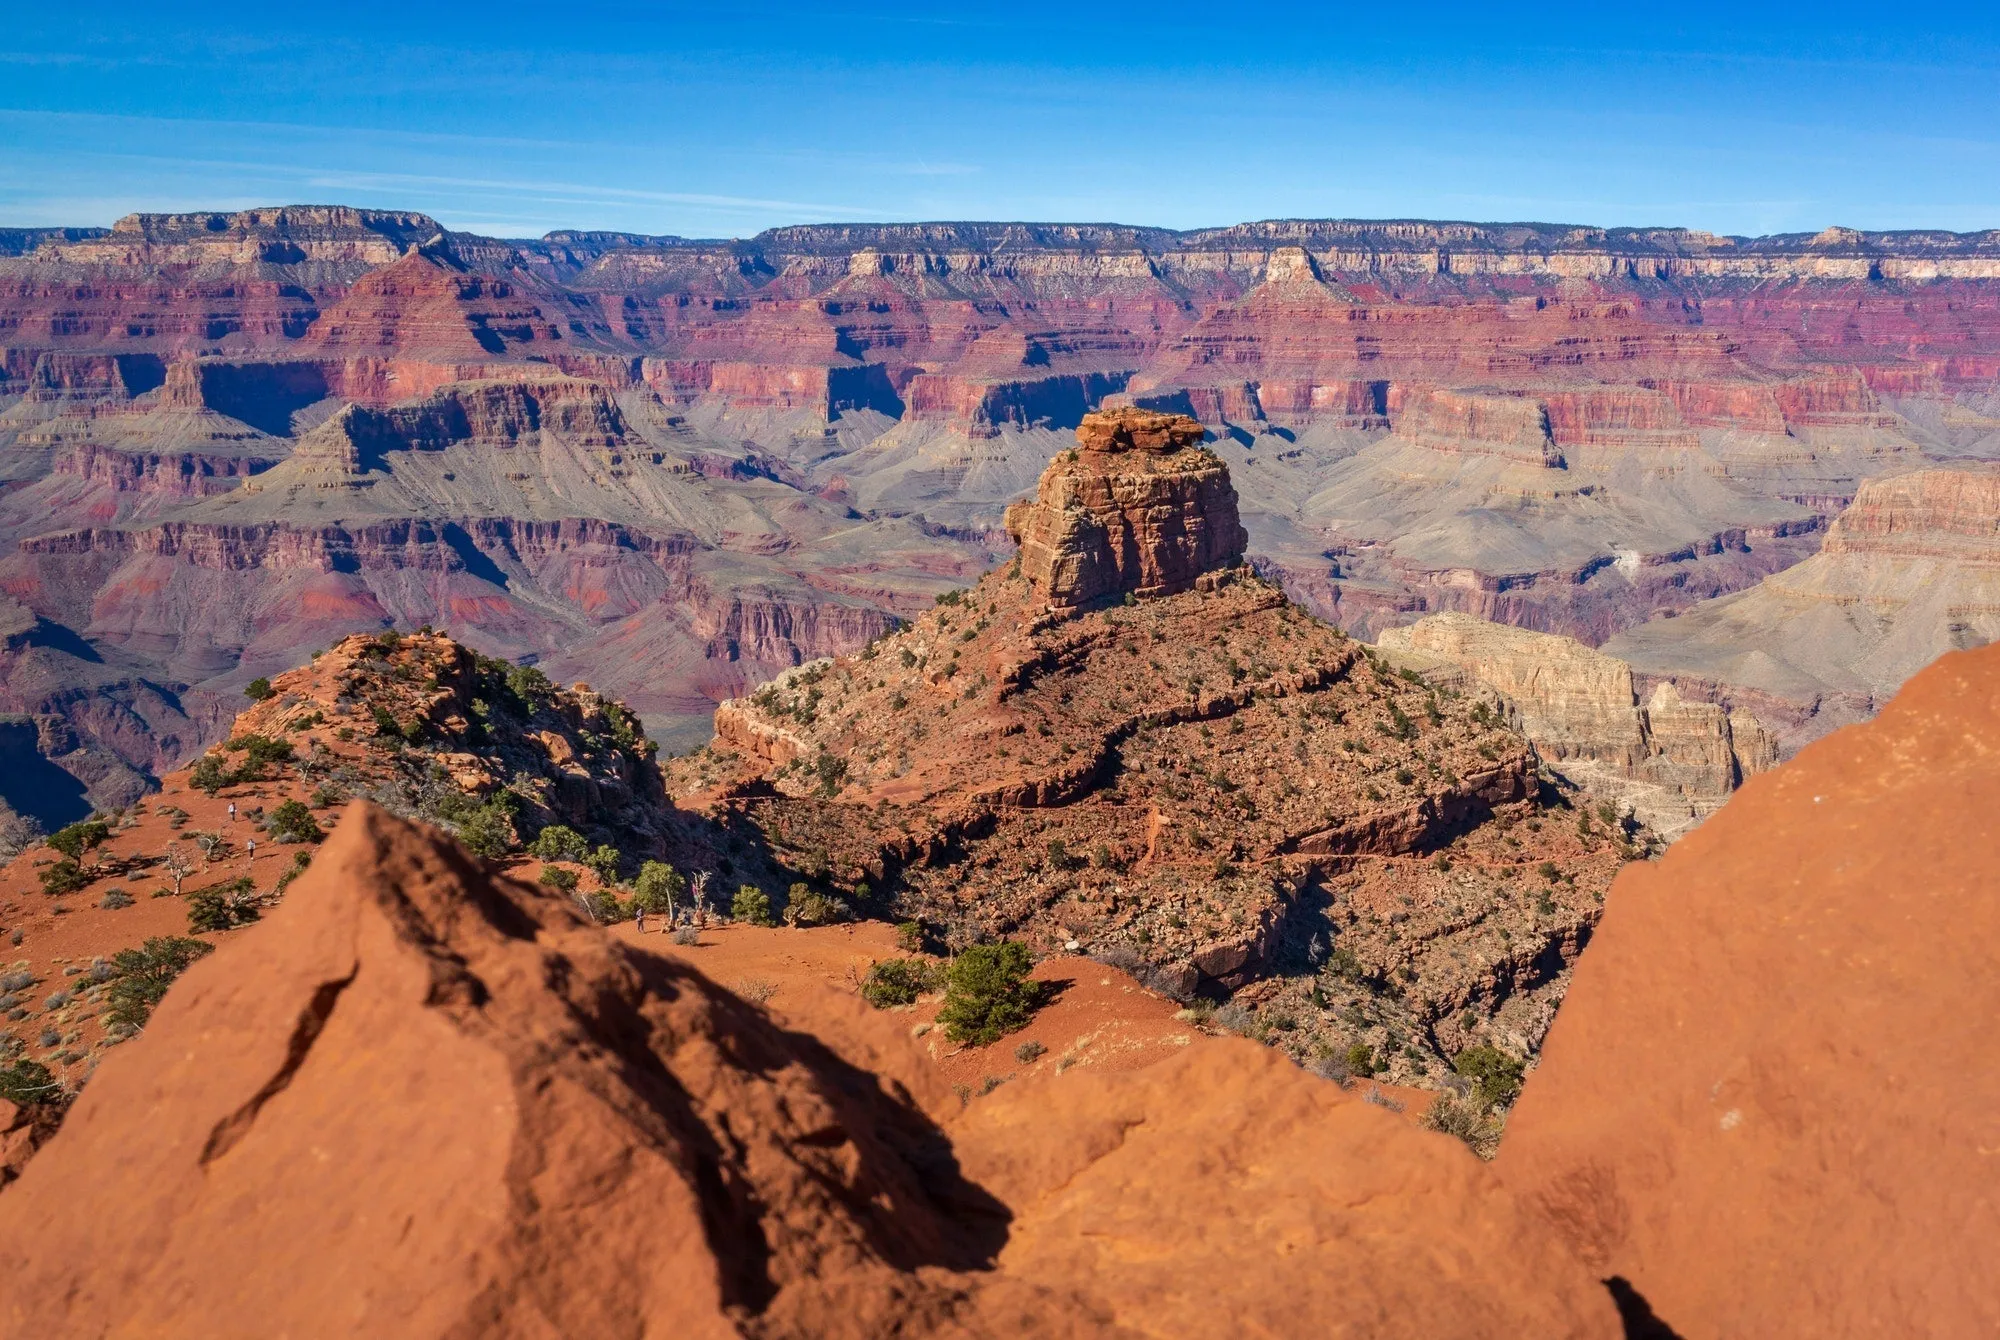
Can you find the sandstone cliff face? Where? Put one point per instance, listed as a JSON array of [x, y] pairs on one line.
[[1672, 761], [1732, 1112], [283, 236], [422, 1100], [1908, 572], [1140, 509]]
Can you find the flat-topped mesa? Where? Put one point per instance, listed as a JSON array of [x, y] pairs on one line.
[[1139, 506]]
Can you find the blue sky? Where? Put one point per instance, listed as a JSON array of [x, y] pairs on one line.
[[720, 120]]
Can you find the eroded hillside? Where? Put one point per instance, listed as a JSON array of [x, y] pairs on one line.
[[1131, 744]]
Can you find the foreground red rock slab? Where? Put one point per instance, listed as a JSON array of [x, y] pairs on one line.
[[421, 1101], [1769, 1100]]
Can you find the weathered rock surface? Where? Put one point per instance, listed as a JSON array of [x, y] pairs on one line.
[[423, 1101], [24, 1129], [1141, 509], [1670, 760], [1210, 784], [1769, 1101]]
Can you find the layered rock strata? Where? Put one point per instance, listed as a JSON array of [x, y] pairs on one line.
[[1907, 573], [1568, 429], [1670, 760], [1140, 508], [1695, 1126]]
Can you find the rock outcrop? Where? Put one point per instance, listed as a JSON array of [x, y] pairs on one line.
[[1209, 784], [1139, 507], [424, 1101], [401, 715], [1670, 760], [1769, 1102]]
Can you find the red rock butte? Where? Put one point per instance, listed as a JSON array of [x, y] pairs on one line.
[[1139, 508]]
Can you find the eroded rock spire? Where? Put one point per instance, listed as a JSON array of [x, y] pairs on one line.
[[1139, 505]]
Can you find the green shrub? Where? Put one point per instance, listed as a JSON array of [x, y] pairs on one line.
[[208, 774], [626, 731], [262, 750], [1496, 1074], [65, 876], [143, 976], [258, 689], [559, 842], [899, 981], [988, 994], [805, 906], [293, 822], [528, 688], [77, 838], [604, 861], [115, 899], [658, 888], [910, 937], [386, 723], [1028, 1051], [25, 1082], [487, 830], [832, 773], [218, 907], [1360, 1060], [603, 905], [556, 877], [752, 905]]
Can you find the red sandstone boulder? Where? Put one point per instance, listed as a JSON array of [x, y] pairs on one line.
[[1769, 1101], [23, 1130], [1228, 1192], [419, 1102]]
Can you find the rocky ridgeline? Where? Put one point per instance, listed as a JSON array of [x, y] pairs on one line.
[[1569, 429], [490, 750], [1670, 761], [1208, 784]]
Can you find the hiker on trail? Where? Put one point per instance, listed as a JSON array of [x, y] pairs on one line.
[[250, 847], [639, 917], [232, 811]]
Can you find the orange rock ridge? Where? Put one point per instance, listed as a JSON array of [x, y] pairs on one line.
[[424, 1100]]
